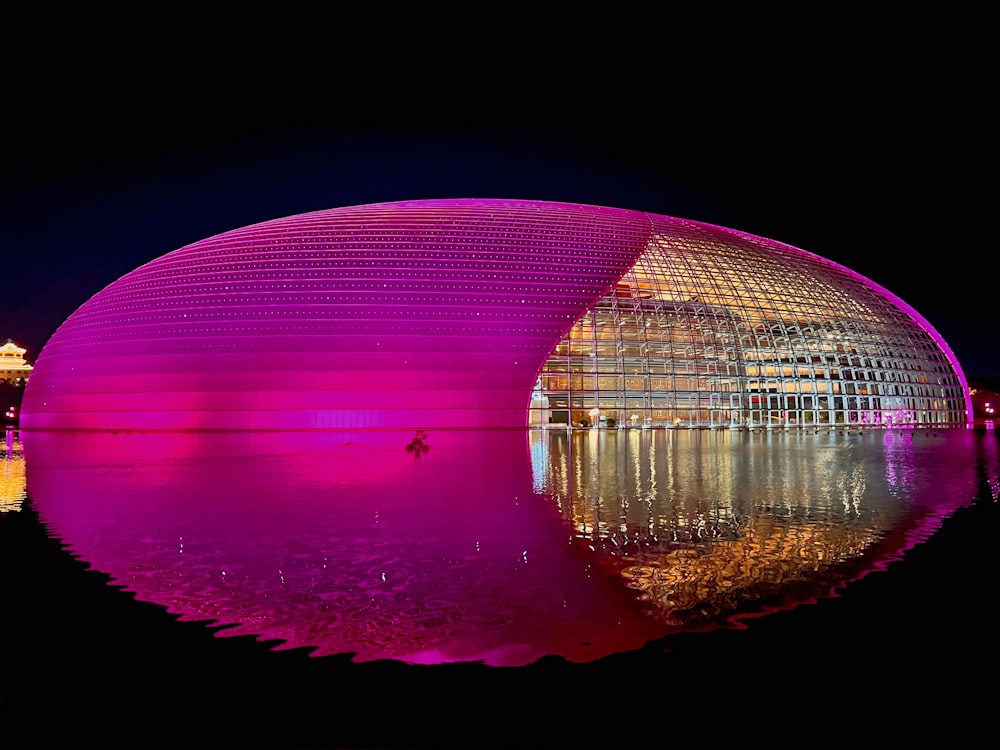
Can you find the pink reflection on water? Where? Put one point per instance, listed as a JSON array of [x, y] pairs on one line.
[[340, 543], [501, 547]]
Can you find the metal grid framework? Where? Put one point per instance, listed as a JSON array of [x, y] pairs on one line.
[[715, 328]]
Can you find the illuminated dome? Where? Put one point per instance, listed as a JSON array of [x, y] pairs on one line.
[[468, 313]]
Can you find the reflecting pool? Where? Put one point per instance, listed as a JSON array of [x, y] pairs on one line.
[[497, 547]]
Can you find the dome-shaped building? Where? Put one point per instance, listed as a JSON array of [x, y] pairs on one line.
[[469, 313]]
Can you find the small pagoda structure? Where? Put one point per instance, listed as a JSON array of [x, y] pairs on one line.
[[13, 367]]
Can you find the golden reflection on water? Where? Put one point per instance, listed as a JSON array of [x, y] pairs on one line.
[[12, 478], [704, 525]]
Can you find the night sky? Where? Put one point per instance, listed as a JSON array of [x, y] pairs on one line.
[[859, 168], [863, 135]]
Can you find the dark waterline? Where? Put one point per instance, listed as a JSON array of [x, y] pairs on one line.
[[209, 668]]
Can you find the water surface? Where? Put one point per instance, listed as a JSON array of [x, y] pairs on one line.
[[497, 547]]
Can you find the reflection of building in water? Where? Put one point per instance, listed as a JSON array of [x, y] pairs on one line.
[[13, 481], [13, 367], [705, 525], [765, 558]]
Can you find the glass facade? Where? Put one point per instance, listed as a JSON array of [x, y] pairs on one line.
[[713, 328]]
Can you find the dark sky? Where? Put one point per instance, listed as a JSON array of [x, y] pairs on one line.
[[885, 172]]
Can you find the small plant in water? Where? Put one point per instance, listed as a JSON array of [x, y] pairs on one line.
[[417, 445]]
